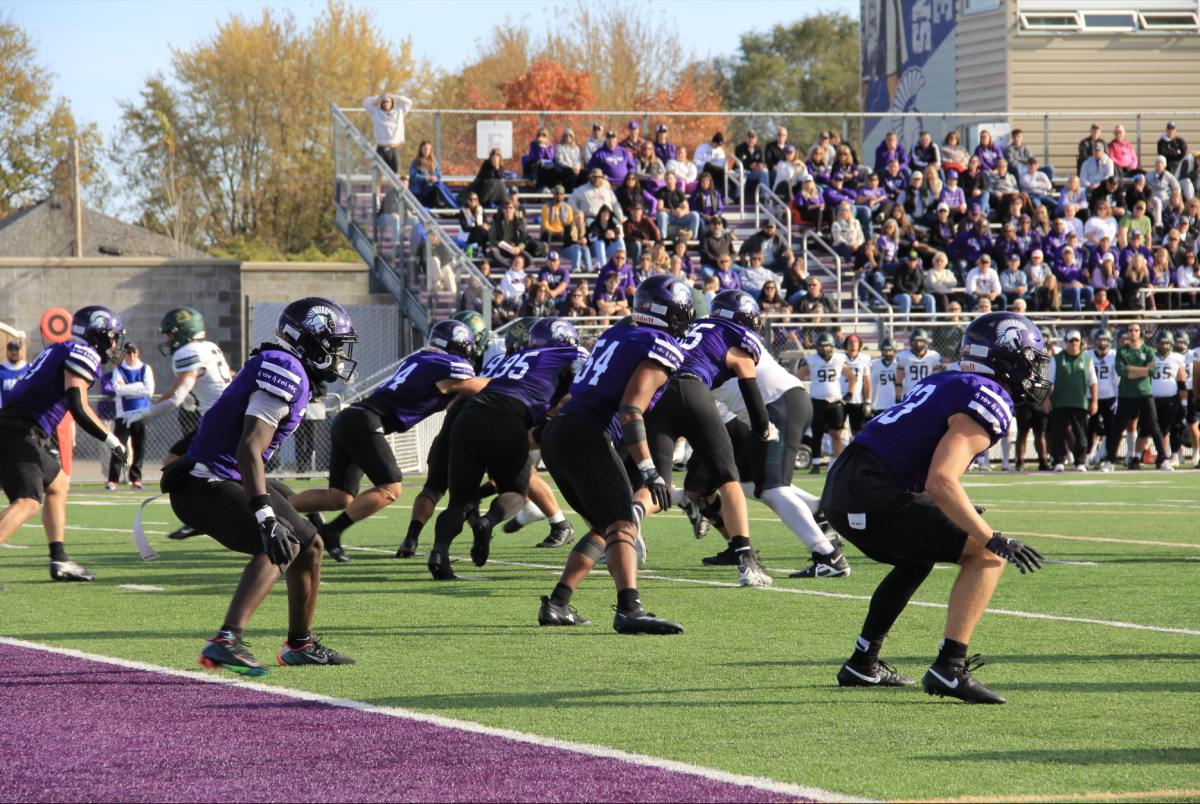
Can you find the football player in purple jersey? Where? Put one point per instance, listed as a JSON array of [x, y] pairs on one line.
[[720, 347], [492, 435], [55, 383], [424, 383], [221, 488], [622, 379], [896, 495]]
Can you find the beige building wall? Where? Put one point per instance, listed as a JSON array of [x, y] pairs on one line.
[[981, 57]]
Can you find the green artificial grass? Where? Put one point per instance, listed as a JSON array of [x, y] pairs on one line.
[[749, 687]]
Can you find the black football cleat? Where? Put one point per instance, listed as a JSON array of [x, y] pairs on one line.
[[512, 526], [439, 564], [226, 653], [833, 565], [550, 614], [880, 675], [642, 622], [311, 653], [561, 535], [481, 526], [70, 571], [338, 554], [184, 533], [699, 523], [725, 558], [956, 681], [408, 548]]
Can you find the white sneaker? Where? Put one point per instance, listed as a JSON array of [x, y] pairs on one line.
[[1058, 467], [749, 573], [1106, 467], [1175, 459], [1081, 467], [1166, 466]]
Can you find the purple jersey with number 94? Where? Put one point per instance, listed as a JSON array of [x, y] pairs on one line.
[[599, 386], [707, 346], [906, 435]]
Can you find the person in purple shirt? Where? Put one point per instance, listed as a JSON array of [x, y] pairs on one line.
[[893, 181], [556, 274], [1027, 236], [221, 488], [1073, 280], [891, 149], [835, 193], [1134, 246], [623, 378], [726, 276], [968, 247], [874, 198], [54, 384], [619, 266], [706, 201], [664, 149], [615, 161], [1007, 245], [424, 383], [989, 152], [895, 493], [491, 436], [1053, 243], [952, 195]]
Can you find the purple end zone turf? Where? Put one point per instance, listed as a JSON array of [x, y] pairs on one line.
[[79, 730]]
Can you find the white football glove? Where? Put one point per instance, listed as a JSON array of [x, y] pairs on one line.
[[772, 432], [137, 415]]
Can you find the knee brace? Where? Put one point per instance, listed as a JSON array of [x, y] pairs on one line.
[[589, 547]]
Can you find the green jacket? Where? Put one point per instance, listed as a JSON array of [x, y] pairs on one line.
[[1128, 356], [1071, 386]]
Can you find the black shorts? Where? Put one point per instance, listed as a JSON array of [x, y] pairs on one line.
[[1193, 411], [390, 154], [438, 478], [221, 508], [359, 447], [857, 414], [1032, 418], [687, 409], [1166, 409], [700, 480], [490, 436], [908, 528], [181, 446], [589, 472], [827, 417], [30, 463]]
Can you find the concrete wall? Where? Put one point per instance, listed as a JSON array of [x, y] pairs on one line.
[[344, 282]]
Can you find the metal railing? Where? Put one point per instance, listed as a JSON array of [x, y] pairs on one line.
[[761, 210], [835, 273]]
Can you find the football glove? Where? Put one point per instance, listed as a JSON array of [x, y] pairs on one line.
[[772, 432], [117, 449], [135, 416], [275, 533], [1019, 553], [660, 492]]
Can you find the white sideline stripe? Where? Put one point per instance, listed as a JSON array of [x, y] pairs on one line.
[[757, 782], [105, 530], [1099, 539], [142, 587], [1027, 614], [15, 546]]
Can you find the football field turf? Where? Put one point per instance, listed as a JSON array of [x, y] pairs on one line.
[[1097, 655]]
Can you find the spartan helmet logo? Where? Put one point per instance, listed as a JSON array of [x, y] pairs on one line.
[[1008, 333], [462, 334], [320, 320], [99, 319], [560, 331]]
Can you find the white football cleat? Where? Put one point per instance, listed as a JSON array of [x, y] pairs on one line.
[[749, 573], [1166, 466], [1106, 467], [1081, 467], [1058, 467]]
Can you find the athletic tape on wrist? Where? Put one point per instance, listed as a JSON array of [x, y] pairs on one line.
[[646, 465]]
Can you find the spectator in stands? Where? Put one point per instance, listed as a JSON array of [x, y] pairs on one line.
[[710, 158], [489, 181], [837, 194], [1001, 184], [952, 195], [1097, 168], [984, 283], [620, 266], [538, 165], [789, 173], [1072, 224], [538, 303], [503, 310], [1104, 278], [1174, 212], [633, 139], [968, 247], [660, 257], [472, 296], [726, 276], [706, 201], [1014, 284], [893, 181], [614, 160], [974, 183], [605, 236], [773, 154], [754, 163], [954, 155], [1162, 277], [1122, 153], [507, 236], [989, 153], [1087, 147], [772, 304], [1110, 191], [825, 143], [1006, 245], [555, 275], [1172, 243], [568, 160], [590, 198], [819, 167], [940, 233], [591, 145], [1027, 236], [674, 210], [1162, 184], [771, 246], [756, 275], [1135, 244], [1073, 280], [608, 298], [1100, 303], [1137, 190], [711, 287], [663, 148], [809, 204], [908, 286], [1186, 277], [1097, 255], [387, 113], [846, 167], [683, 169], [974, 215], [640, 233], [1037, 185], [1019, 156], [1048, 297], [888, 243], [715, 243], [1100, 225], [425, 179], [1180, 162], [847, 232], [941, 283], [1037, 268], [680, 250], [650, 171], [919, 202], [576, 304], [924, 153], [1072, 193], [888, 150], [562, 226], [868, 267], [512, 284], [1136, 279], [1187, 241], [1135, 220], [631, 194], [471, 223], [794, 280]]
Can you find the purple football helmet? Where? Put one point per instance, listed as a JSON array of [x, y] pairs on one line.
[[453, 338], [1010, 349], [100, 328], [320, 333], [739, 307], [663, 301], [552, 331]]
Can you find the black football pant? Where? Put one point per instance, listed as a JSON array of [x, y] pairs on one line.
[[1168, 410], [135, 435], [687, 409], [1105, 419], [1140, 408], [1062, 421]]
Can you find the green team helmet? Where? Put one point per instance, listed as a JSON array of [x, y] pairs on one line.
[[1182, 339], [1104, 335], [517, 337], [921, 335], [479, 329], [182, 325], [887, 344], [823, 340]]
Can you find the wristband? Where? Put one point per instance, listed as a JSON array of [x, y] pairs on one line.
[[261, 506], [646, 465], [112, 442]]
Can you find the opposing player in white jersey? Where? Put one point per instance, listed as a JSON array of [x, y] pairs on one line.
[[1193, 419], [915, 363], [883, 378], [825, 368], [855, 401], [201, 376], [1105, 361], [1187, 415], [1167, 385]]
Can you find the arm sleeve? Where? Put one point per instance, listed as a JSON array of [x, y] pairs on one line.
[[86, 422], [175, 400], [267, 407], [757, 411]]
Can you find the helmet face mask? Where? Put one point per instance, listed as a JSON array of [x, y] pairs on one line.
[[479, 329], [101, 328], [320, 333], [1182, 342], [825, 345], [887, 350], [1164, 344]]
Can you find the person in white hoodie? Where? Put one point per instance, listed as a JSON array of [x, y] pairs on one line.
[[387, 113]]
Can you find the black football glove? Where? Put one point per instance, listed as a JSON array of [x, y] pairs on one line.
[[1019, 553], [275, 535], [660, 492]]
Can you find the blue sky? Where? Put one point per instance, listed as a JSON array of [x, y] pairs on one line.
[[103, 51]]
